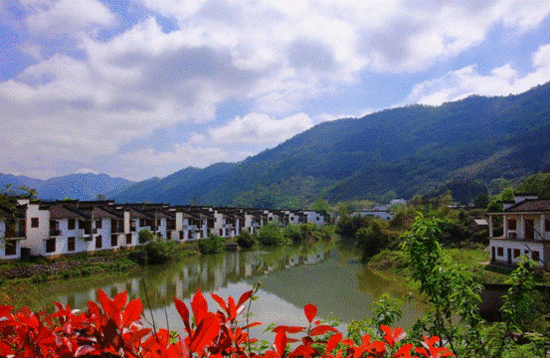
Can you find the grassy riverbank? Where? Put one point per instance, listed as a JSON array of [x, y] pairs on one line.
[[27, 280], [473, 260]]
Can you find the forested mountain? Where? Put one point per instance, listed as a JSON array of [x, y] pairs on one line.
[[74, 186], [463, 146]]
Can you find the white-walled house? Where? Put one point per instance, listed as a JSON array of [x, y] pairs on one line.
[[525, 231], [37, 217], [315, 217]]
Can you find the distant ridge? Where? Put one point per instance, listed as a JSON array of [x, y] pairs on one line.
[[75, 186]]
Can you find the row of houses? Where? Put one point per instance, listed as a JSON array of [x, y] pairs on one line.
[[49, 228]]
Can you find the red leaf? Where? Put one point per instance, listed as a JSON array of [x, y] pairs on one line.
[[404, 351], [132, 312], [206, 331], [120, 299], [109, 307], [288, 329], [184, 313], [322, 329], [280, 343], [333, 341], [310, 311], [136, 336], [244, 297], [220, 301], [103, 299], [303, 351], [232, 309], [199, 306], [253, 324]]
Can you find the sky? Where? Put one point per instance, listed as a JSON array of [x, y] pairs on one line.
[[144, 88]]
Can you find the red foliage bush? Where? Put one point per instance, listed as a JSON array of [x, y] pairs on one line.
[[113, 328]]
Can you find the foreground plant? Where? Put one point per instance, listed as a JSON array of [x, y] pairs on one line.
[[113, 328]]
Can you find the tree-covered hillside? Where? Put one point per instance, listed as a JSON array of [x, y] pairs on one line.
[[462, 146]]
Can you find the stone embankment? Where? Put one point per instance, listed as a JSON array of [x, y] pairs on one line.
[[51, 268]]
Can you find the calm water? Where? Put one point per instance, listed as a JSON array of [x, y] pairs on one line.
[[331, 278]]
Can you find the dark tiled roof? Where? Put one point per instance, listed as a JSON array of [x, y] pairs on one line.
[[59, 211], [531, 205]]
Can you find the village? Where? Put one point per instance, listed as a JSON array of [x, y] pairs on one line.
[[52, 228]]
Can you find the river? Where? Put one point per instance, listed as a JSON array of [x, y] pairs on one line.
[[330, 277]]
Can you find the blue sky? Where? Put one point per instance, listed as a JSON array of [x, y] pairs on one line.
[[143, 88]]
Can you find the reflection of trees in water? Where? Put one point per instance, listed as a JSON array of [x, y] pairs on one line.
[[160, 284], [376, 284]]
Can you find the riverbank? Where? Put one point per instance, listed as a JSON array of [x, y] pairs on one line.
[[474, 260], [41, 269]]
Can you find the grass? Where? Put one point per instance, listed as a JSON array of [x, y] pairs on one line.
[[473, 260]]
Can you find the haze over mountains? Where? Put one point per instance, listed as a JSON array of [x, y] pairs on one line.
[[461, 145]]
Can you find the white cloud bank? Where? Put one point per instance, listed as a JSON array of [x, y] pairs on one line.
[[467, 81], [84, 100]]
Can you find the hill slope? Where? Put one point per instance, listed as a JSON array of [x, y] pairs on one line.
[[461, 145]]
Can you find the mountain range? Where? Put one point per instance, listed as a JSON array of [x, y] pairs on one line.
[[465, 146], [74, 186]]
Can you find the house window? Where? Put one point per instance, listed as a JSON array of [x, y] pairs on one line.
[[10, 247], [511, 224], [98, 224], [535, 256], [98, 242], [500, 251], [517, 252], [35, 222], [114, 240], [128, 239], [71, 243], [50, 245], [72, 224]]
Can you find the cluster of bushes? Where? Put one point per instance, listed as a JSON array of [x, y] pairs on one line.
[[274, 235], [158, 251], [212, 245]]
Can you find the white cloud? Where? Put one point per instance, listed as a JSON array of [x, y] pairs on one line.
[[54, 18], [257, 128], [274, 55], [467, 81], [87, 171], [148, 162]]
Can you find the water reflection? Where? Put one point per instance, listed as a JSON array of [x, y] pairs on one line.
[[291, 277]]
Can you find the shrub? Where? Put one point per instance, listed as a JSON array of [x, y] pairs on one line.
[[212, 245], [271, 235], [246, 239], [145, 235], [158, 251]]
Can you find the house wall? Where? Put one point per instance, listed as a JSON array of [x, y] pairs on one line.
[[17, 243], [525, 247], [36, 237], [315, 217]]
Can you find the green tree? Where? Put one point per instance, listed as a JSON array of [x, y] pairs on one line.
[[213, 244], [271, 234], [372, 238], [145, 235]]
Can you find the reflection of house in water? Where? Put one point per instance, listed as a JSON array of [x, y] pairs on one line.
[[209, 273], [293, 260], [315, 258]]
